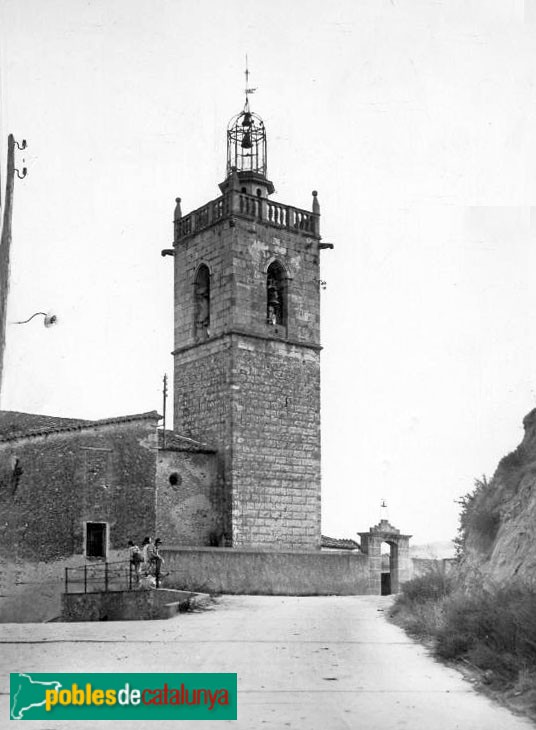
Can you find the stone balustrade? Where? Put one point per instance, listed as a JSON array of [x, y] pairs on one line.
[[242, 205]]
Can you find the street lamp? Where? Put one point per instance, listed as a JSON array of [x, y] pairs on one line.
[[50, 319]]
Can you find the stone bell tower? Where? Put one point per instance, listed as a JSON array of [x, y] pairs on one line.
[[247, 349]]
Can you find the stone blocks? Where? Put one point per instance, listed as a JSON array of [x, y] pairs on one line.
[[251, 388]]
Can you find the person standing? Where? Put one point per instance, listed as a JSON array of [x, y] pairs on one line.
[[157, 561], [135, 559], [146, 549]]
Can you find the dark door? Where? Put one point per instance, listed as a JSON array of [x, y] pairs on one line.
[[96, 539], [386, 584]]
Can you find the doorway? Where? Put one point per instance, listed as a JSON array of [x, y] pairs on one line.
[[96, 539], [386, 569]]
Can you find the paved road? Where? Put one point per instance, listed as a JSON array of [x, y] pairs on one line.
[[329, 663]]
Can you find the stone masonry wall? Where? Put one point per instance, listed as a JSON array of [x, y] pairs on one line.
[[258, 401], [277, 573], [188, 512], [255, 247], [276, 445], [238, 254], [100, 474], [212, 247], [203, 407], [122, 605], [249, 388]]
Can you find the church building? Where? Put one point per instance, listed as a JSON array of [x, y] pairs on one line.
[[234, 490], [241, 468]]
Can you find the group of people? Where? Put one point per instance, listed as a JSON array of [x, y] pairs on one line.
[[146, 561]]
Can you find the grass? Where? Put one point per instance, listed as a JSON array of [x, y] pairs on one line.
[[492, 629]]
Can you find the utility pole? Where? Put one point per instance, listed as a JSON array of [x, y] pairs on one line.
[[5, 249], [5, 242], [164, 397]]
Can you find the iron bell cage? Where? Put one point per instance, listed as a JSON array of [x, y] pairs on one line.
[[246, 143]]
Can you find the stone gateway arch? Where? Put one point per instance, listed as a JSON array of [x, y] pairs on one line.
[[400, 561]]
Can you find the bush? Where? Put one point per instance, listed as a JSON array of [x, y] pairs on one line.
[[425, 619], [463, 623], [418, 608], [480, 518], [432, 585], [494, 628]]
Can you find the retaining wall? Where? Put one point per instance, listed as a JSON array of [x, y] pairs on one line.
[[122, 605], [248, 571]]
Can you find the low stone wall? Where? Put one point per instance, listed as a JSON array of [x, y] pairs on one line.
[[122, 605], [421, 566], [246, 571]]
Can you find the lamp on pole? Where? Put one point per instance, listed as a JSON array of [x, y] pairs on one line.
[[49, 321]]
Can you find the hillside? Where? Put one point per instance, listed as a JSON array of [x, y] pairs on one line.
[[499, 520], [434, 550]]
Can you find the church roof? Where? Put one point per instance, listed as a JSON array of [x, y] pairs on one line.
[[15, 425], [338, 543], [176, 442]]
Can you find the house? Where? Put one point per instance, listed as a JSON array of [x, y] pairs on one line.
[[79, 487]]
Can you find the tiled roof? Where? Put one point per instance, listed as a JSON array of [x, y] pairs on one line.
[[337, 543], [176, 442], [15, 425]]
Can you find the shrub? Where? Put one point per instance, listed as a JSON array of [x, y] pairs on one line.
[[480, 518], [432, 585], [418, 608], [425, 619], [493, 627], [461, 626]]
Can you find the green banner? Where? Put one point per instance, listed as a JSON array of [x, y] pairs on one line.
[[123, 696]]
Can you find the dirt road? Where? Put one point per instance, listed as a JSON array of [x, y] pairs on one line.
[[308, 663]]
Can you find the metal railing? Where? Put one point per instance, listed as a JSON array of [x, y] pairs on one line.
[[120, 575]]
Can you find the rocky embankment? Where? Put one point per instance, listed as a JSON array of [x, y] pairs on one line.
[[499, 520]]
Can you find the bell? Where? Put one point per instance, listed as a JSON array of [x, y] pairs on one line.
[[273, 297], [246, 122], [246, 141]]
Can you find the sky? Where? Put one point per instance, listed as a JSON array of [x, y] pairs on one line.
[[414, 120]]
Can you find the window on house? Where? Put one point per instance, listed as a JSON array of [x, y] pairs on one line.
[[96, 539], [276, 294], [16, 473], [202, 302]]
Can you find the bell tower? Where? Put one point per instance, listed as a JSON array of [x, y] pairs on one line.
[[247, 347]]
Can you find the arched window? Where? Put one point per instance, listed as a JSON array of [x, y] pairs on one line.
[[202, 302], [276, 295]]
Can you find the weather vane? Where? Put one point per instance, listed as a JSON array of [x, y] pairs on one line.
[[248, 89]]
